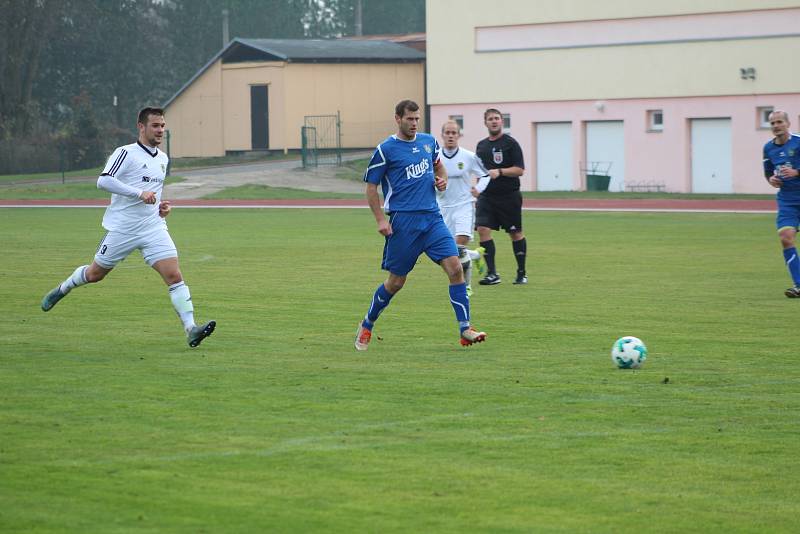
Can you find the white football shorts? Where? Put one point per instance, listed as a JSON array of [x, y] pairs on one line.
[[115, 247], [460, 220]]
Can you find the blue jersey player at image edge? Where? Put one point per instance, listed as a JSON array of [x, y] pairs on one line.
[[782, 171]]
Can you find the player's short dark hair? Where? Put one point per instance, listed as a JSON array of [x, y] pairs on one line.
[[405, 105], [145, 113], [491, 111]]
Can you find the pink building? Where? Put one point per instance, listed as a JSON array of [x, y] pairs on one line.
[[660, 96]]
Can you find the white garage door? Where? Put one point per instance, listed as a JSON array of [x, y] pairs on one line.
[[711, 156], [554, 163], [605, 151]]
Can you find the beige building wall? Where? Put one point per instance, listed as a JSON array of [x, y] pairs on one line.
[[236, 81], [364, 95], [212, 115], [194, 120], [460, 72]]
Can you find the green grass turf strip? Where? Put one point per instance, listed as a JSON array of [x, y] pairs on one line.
[[110, 423], [256, 191], [75, 190]]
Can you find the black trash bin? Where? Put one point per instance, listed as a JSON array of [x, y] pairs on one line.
[[597, 182]]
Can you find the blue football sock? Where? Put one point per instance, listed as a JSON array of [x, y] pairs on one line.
[[380, 300], [460, 302], [793, 264]]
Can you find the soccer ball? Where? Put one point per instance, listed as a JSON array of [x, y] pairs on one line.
[[628, 353]]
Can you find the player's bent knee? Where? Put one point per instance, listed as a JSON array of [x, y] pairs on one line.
[[394, 283], [787, 236], [452, 267], [170, 280], [171, 277]]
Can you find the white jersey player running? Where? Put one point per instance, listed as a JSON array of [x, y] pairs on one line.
[[457, 202], [136, 219]]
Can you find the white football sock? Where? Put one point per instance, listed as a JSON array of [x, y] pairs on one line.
[[77, 278], [182, 302], [466, 262]]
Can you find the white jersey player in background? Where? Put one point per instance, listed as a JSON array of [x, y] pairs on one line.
[[135, 219], [457, 202]]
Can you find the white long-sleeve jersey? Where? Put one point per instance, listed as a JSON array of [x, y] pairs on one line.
[[130, 170]]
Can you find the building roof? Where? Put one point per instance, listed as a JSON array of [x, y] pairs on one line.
[[309, 51], [321, 51], [413, 40]]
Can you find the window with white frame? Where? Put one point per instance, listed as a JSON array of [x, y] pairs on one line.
[[460, 121], [506, 123], [655, 120], [762, 116]]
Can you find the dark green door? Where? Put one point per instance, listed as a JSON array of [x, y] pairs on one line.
[[259, 116]]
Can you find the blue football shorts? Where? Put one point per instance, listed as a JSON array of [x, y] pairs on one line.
[[412, 234], [788, 215]]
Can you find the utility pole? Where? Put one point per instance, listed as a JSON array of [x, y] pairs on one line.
[[225, 33], [358, 30]]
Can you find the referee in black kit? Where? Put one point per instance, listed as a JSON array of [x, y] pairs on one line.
[[500, 204]]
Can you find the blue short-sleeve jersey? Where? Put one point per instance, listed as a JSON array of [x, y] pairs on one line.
[[785, 154], [404, 169]]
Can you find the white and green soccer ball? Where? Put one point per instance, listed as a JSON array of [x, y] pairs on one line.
[[628, 353]]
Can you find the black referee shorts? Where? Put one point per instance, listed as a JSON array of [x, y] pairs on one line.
[[497, 212]]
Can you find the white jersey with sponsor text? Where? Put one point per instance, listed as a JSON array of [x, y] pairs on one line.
[[461, 167], [143, 168]]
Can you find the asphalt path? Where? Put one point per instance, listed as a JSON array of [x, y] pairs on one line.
[[199, 182]]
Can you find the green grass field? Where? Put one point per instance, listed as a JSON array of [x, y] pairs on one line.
[[75, 190], [86, 189], [50, 176], [110, 423]]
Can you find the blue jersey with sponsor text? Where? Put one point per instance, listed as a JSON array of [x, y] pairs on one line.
[[404, 169], [785, 154]]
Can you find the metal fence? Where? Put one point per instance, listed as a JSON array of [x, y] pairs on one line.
[[322, 140]]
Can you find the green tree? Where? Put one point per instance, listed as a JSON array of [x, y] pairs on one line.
[[22, 27], [379, 17], [59, 58]]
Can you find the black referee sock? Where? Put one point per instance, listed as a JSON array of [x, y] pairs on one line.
[[488, 255], [520, 252]]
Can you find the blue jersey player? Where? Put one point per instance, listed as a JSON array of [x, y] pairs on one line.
[[407, 167], [781, 169]]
